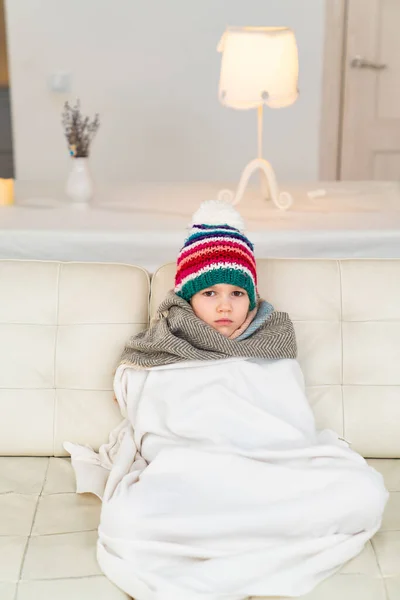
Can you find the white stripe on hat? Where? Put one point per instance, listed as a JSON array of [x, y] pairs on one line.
[[213, 267]]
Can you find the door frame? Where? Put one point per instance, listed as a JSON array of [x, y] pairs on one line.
[[332, 96]]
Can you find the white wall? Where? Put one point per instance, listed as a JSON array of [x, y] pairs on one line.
[[150, 68]]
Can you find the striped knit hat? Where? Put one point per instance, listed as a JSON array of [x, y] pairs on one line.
[[216, 251]]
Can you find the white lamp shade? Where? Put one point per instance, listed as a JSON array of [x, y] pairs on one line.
[[259, 66]]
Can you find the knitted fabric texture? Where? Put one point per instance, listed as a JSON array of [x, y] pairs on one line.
[[264, 310], [215, 254], [179, 335]]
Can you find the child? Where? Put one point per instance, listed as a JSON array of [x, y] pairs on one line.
[[217, 484]]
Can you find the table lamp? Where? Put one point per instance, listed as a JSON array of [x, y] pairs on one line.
[[259, 66]]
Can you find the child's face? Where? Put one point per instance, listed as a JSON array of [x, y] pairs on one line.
[[223, 306]]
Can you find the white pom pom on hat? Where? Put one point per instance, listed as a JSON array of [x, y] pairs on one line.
[[218, 212]]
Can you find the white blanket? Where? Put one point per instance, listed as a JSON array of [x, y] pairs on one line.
[[217, 486]]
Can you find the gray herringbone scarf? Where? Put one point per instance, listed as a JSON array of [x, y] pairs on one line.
[[178, 335]]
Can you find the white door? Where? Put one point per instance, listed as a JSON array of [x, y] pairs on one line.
[[370, 147]]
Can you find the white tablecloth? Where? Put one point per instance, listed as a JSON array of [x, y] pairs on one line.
[[145, 224]]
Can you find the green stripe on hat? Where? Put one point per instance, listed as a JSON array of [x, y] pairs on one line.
[[213, 277]]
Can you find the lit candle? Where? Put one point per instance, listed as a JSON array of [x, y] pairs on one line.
[[6, 192]]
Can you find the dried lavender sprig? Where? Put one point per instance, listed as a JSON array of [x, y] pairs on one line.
[[78, 130]]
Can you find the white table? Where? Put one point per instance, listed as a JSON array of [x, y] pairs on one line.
[[145, 224]]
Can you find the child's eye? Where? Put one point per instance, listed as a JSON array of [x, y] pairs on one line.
[[208, 293], [238, 293]]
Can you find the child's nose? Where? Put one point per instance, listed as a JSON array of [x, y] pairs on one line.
[[224, 305]]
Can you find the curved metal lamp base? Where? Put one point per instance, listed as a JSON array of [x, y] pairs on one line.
[[269, 185]]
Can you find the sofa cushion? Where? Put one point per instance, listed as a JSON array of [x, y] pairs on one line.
[[48, 539], [48, 534], [63, 327]]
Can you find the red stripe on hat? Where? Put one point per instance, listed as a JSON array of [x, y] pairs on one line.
[[214, 246], [186, 271], [230, 251]]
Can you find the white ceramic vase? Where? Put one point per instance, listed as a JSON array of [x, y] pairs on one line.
[[80, 186]]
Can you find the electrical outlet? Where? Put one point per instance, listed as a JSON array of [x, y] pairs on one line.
[[60, 82]]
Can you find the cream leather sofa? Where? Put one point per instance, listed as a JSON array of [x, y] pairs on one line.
[[62, 329]]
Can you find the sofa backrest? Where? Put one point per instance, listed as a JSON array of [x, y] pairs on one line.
[[63, 327], [62, 330]]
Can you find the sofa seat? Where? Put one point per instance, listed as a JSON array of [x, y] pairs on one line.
[[48, 539], [48, 534]]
